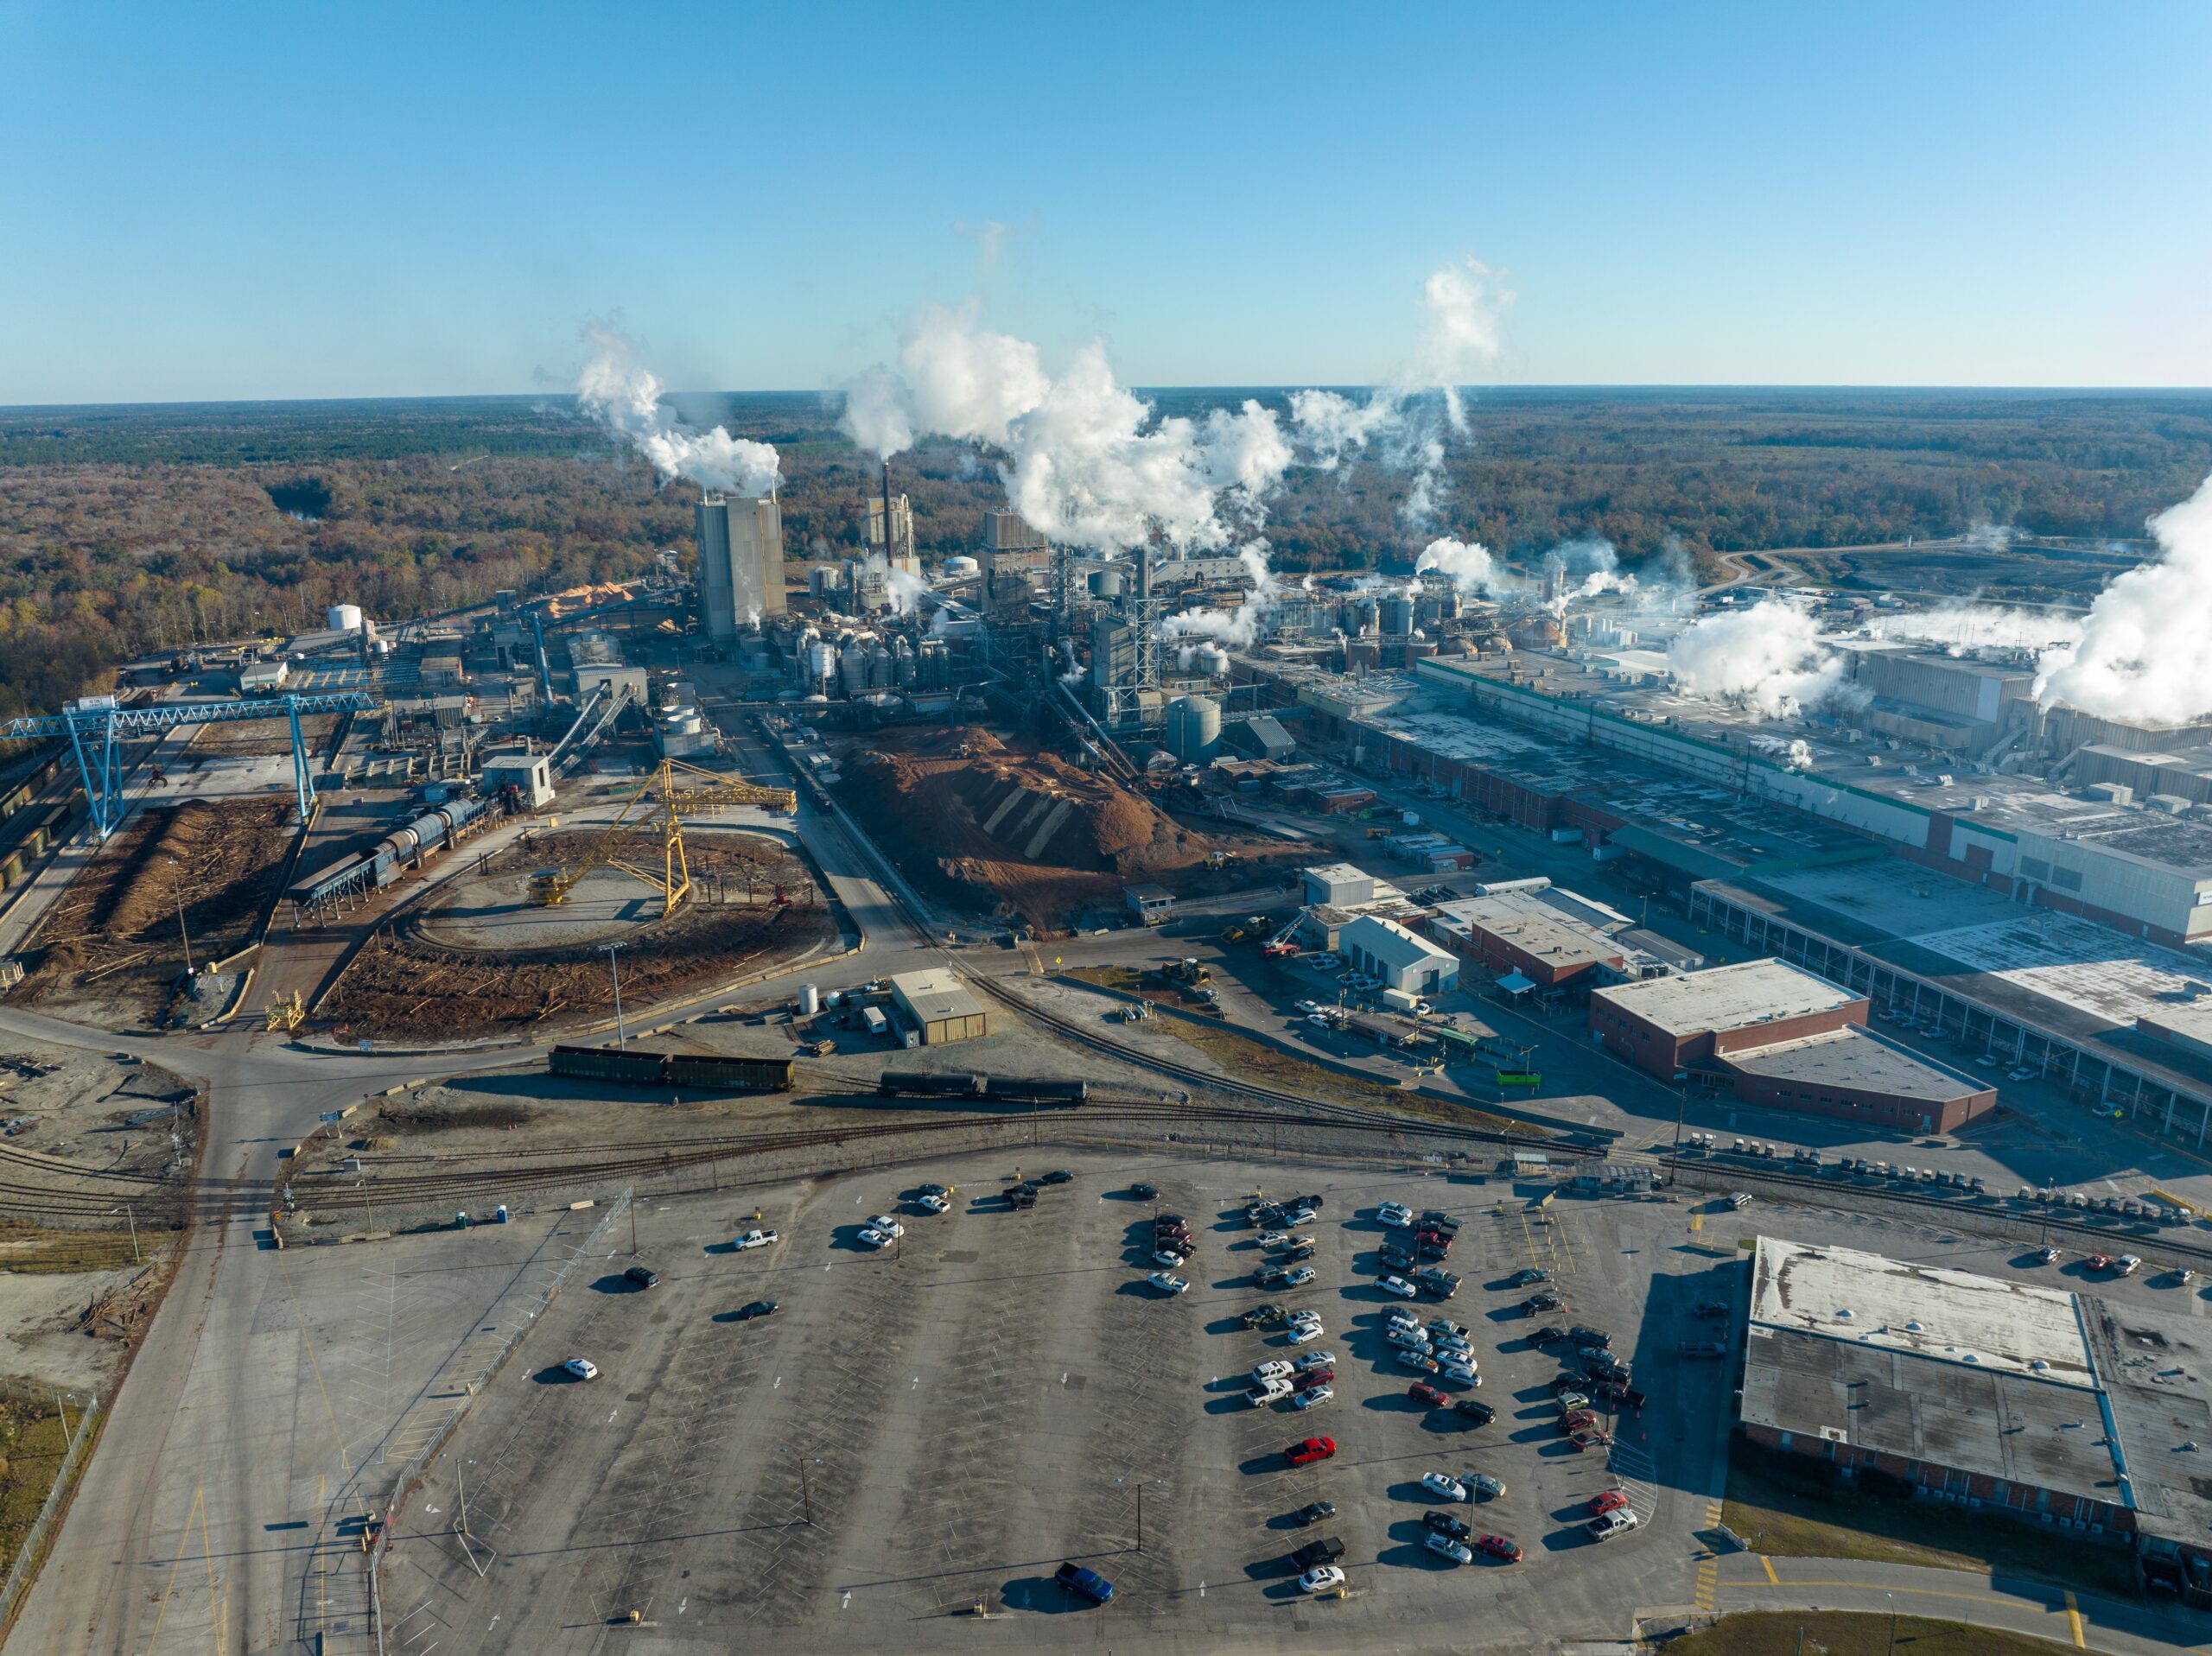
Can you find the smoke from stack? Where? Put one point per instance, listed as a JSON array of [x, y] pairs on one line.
[[1770, 657], [2141, 655], [618, 391], [1468, 566]]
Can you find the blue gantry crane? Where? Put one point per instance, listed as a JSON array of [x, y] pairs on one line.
[[96, 724]]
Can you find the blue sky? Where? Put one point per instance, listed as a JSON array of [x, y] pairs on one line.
[[214, 200]]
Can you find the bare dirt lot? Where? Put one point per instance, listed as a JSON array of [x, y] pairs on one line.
[[995, 823], [261, 738], [109, 949], [451, 973]]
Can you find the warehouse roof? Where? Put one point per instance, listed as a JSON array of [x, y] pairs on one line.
[[1853, 1057], [1729, 997], [1864, 1299], [932, 996], [1531, 924]]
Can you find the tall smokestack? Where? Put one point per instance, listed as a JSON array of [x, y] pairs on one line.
[[889, 555]]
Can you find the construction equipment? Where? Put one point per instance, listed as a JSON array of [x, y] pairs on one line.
[[287, 1012], [671, 791]]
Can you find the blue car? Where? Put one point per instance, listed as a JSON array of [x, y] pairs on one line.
[[1074, 1578]]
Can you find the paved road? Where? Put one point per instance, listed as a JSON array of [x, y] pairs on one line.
[[1750, 1582]]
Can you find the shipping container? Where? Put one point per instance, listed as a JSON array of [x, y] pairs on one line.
[[717, 1073], [608, 1063]]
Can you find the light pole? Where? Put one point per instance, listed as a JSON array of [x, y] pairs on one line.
[[621, 1039], [177, 891], [1892, 1598], [133, 1221]]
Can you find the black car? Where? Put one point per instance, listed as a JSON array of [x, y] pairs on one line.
[[1159, 1219], [1619, 1394], [1549, 1335], [1583, 1336], [1059, 1175], [1442, 1283], [1395, 1257], [1467, 1409], [1445, 1523], [1312, 1202], [1571, 1379], [933, 1190], [757, 1308], [1593, 1356], [1144, 1192], [1536, 1303], [1271, 1276], [1712, 1308], [1314, 1513], [1327, 1550], [1527, 1278], [1435, 1219], [1296, 1255], [643, 1275], [1430, 1247]]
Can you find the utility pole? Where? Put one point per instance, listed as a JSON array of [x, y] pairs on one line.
[[621, 1039], [1682, 1109], [177, 891], [1892, 1598], [136, 1258]]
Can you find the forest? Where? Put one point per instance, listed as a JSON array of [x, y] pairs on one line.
[[127, 529]]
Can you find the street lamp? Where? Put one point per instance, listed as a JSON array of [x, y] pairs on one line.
[[620, 1038], [1892, 1598]]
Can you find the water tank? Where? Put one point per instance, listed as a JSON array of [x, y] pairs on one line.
[[958, 568], [344, 617], [810, 1001], [1193, 728], [1397, 616], [1105, 583]]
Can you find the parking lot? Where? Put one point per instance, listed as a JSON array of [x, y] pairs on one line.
[[917, 1432]]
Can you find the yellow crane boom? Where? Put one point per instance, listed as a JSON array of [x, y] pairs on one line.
[[668, 795]]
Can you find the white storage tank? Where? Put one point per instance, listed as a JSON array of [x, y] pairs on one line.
[[1193, 728], [1212, 660], [344, 617], [959, 569], [810, 1001]]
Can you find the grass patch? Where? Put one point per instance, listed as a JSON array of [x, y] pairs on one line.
[[31, 1443], [62, 1251], [1239, 1053], [1831, 1633], [1781, 1504], [1127, 978]]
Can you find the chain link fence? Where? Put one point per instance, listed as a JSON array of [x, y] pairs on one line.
[[33, 1550]]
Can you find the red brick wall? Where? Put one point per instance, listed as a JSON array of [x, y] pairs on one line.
[[1861, 1104]]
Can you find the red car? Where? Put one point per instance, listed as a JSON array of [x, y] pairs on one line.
[[2099, 1262], [1421, 1392], [1313, 1377], [1578, 1421], [1608, 1501], [1498, 1547], [1313, 1450], [1592, 1438]]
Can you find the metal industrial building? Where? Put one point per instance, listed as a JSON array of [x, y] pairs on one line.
[[741, 542], [935, 1003], [1778, 1037], [2067, 1412]]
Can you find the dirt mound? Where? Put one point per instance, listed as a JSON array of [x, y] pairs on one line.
[[981, 819]]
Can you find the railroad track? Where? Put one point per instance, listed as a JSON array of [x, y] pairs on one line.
[[1997, 1217], [1350, 1115], [315, 1192]]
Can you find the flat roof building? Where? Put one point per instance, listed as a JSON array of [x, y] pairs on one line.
[[2066, 1411], [1778, 1037], [1519, 931], [939, 1006], [1338, 883]]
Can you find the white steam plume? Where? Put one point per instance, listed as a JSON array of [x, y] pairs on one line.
[[1966, 627], [902, 590], [1770, 657], [1398, 422], [2141, 655], [1468, 566], [953, 378], [618, 392]]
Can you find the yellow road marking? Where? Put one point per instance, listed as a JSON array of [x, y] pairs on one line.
[[1922, 1592], [218, 1603], [176, 1563], [2074, 1623], [1771, 1576]]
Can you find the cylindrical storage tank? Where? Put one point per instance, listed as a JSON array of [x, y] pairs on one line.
[[1370, 615], [820, 660], [852, 663], [344, 617], [1397, 616], [1193, 728], [810, 1001], [879, 674], [959, 569], [1105, 583], [1211, 660]]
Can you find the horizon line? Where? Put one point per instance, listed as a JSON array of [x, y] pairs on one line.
[[1221, 388]]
